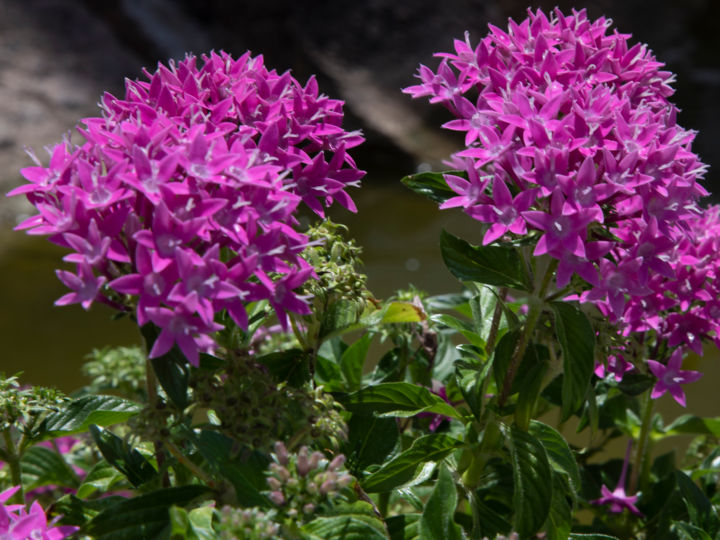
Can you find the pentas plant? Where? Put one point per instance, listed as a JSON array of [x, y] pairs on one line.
[[260, 408], [182, 201]]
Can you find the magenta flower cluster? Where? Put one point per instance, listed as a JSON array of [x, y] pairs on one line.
[[17, 523], [185, 192], [570, 136]]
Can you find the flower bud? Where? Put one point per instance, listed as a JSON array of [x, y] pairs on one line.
[[277, 497], [281, 453]]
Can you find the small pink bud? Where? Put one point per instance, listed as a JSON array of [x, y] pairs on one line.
[[303, 467], [281, 453], [277, 497], [337, 462]]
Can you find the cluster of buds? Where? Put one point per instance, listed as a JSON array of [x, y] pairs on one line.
[[302, 483], [255, 410], [335, 260], [246, 524], [120, 369]]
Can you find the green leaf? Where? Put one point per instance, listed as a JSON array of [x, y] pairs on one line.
[[353, 360], [432, 184], [560, 456], [370, 440], [702, 514], [75, 511], [470, 383], [128, 461], [695, 425], [404, 526], [80, 413], [559, 521], [193, 525], [398, 399], [532, 480], [635, 383], [464, 327], [292, 366], [102, 477], [340, 317], [401, 469], [245, 471], [577, 340], [42, 466], [501, 266], [144, 516], [687, 531], [355, 521], [171, 368], [437, 519]]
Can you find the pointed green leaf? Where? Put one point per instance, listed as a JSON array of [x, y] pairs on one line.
[[398, 399], [80, 413], [688, 531], [501, 266], [128, 461], [532, 480], [102, 477], [701, 511], [437, 518], [577, 340], [42, 466], [559, 454], [402, 469], [559, 521], [355, 521], [695, 425], [144, 516], [353, 360], [370, 440], [432, 184]]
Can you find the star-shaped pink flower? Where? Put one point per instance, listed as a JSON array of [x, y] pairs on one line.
[[671, 377]]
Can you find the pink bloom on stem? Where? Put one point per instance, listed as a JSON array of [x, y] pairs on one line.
[[618, 500], [671, 377], [17, 523]]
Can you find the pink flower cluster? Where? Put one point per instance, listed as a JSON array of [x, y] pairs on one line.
[[16, 523], [570, 137], [184, 194]]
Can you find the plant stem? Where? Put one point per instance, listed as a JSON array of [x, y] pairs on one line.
[[536, 304], [495, 324], [532, 318], [151, 383], [642, 443], [13, 461]]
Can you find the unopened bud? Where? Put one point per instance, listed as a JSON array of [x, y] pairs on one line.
[[337, 462], [303, 466], [281, 453], [277, 497]]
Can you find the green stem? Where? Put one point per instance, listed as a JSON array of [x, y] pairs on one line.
[[532, 319], [383, 502], [13, 462], [495, 324], [642, 443], [537, 305]]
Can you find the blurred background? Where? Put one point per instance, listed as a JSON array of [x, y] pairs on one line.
[[58, 56]]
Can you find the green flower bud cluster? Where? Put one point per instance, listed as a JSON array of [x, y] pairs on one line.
[[335, 261], [304, 483], [329, 428], [246, 524], [255, 410], [121, 369], [22, 407]]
